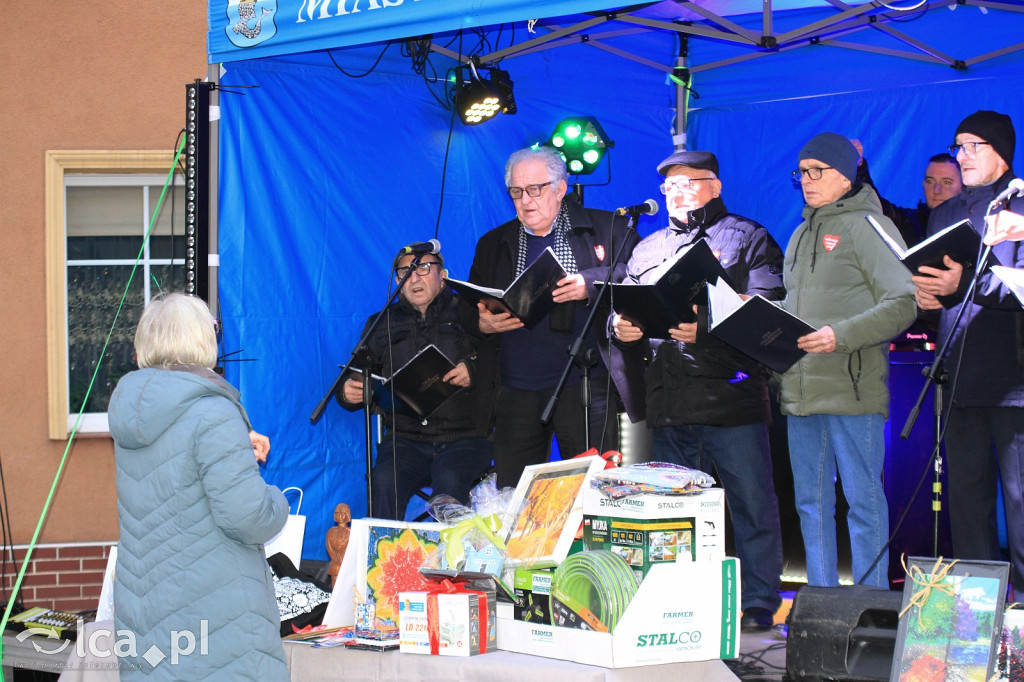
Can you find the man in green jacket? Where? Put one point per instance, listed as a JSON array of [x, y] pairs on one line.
[[843, 280]]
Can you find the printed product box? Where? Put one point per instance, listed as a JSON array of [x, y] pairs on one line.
[[532, 590], [649, 529], [683, 611], [461, 623], [412, 623]]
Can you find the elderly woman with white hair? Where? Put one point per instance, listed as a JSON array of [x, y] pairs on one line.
[[192, 584]]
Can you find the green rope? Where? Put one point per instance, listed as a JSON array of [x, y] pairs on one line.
[[85, 399]]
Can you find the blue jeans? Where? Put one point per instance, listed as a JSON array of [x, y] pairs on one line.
[[742, 458], [854, 445], [404, 466]]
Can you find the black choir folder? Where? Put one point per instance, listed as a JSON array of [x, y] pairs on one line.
[[528, 297], [676, 285], [959, 241], [757, 327], [418, 384]]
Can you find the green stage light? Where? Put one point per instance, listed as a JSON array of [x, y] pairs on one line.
[[583, 143]]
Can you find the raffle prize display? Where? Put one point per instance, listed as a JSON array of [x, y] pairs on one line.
[[615, 568], [649, 531]]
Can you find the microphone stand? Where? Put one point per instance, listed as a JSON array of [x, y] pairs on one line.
[[933, 372], [935, 376], [582, 356], [367, 409]]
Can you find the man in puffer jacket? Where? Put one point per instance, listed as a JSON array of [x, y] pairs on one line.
[[842, 279], [193, 512]]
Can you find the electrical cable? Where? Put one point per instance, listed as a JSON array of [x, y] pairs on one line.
[[74, 431], [360, 75]]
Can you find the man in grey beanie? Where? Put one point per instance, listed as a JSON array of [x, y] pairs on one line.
[[985, 410], [843, 280]]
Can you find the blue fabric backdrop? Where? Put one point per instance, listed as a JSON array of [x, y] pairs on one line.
[[324, 177]]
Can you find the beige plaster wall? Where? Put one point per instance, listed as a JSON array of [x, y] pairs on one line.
[[73, 75]]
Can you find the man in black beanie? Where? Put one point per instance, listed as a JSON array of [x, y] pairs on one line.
[[986, 406]]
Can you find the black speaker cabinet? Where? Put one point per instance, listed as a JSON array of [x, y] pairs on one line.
[[842, 633]]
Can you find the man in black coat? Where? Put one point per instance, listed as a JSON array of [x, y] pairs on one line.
[[532, 360], [707, 403], [985, 425], [449, 449]]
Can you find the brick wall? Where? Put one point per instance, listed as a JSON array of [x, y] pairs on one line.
[[65, 577]]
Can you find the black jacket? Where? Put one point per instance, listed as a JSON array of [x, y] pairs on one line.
[[593, 237], [403, 333], [710, 382], [992, 371]]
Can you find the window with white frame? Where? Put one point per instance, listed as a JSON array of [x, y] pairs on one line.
[[108, 269]]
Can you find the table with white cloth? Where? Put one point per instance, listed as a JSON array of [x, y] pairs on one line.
[[329, 664], [309, 664]]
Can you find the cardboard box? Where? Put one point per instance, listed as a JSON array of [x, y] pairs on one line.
[[412, 623], [532, 591], [649, 529], [447, 624], [682, 612]]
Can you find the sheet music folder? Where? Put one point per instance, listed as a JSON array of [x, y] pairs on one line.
[[528, 297], [959, 241], [418, 384], [676, 286], [756, 327]]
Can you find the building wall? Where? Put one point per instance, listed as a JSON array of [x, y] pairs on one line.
[[73, 76]]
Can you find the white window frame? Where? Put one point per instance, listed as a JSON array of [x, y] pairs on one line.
[[85, 168]]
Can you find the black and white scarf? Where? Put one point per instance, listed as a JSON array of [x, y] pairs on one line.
[[563, 250]]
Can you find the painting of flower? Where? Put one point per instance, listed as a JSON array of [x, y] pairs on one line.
[[393, 559], [951, 620]]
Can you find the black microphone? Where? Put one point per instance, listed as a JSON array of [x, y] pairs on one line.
[[649, 207], [1015, 187], [423, 248]]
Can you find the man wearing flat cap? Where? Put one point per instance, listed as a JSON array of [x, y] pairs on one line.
[[707, 402], [843, 280], [985, 423]]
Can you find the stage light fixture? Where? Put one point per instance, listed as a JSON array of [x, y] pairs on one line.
[[478, 99], [583, 143]]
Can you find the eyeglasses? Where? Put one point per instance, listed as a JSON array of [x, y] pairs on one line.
[[533, 190], [969, 148], [422, 269], [812, 173], [679, 184]]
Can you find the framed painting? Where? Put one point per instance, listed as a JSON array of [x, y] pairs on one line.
[[1010, 663], [549, 510], [951, 622], [383, 559]]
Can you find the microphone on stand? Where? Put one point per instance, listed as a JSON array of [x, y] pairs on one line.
[[649, 207], [1016, 187], [423, 248]]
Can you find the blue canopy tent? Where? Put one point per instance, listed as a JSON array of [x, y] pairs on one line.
[[345, 151]]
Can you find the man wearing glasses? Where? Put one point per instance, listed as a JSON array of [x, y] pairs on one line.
[[532, 360], [448, 450], [843, 280], [707, 402], [985, 424]]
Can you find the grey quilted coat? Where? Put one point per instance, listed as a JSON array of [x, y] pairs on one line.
[[193, 512]]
